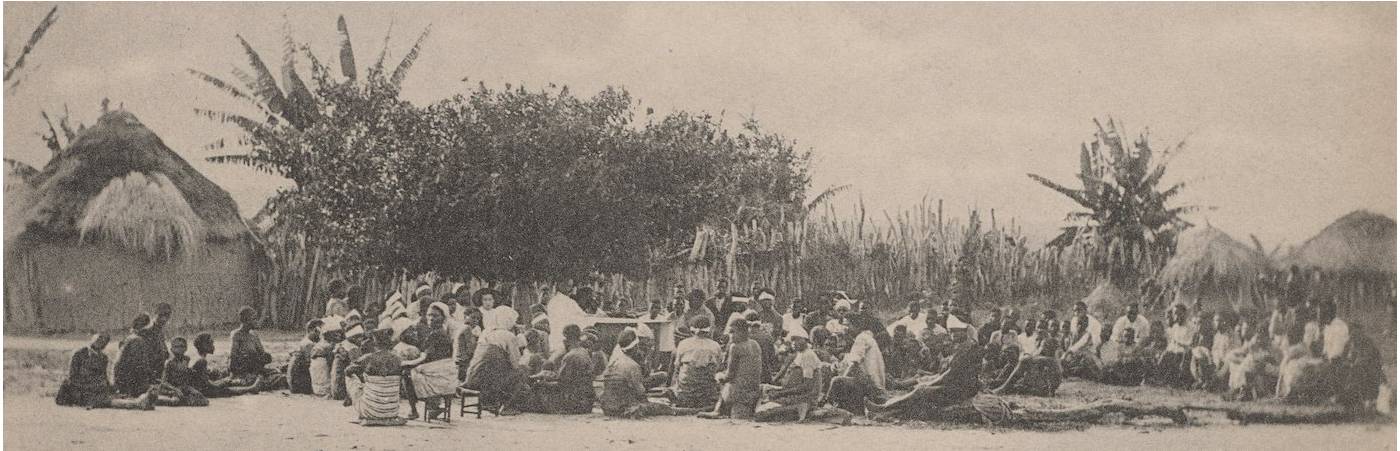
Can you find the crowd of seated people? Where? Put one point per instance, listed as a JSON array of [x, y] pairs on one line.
[[744, 356]]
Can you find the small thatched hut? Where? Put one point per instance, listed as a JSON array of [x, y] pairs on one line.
[[1214, 268], [116, 223]]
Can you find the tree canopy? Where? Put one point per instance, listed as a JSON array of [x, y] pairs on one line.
[[506, 184]]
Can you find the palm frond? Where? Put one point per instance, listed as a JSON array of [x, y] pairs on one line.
[[825, 196], [347, 54], [1076, 195], [264, 85], [34, 38], [402, 70]]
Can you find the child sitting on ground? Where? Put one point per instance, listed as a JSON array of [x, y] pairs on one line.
[[175, 388]]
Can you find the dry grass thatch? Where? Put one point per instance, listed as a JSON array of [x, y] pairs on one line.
[[119, 181], [1360, 242], [1205, 252], [141, 212]]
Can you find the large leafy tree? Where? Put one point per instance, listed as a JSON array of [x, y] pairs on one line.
[[1126, 222]]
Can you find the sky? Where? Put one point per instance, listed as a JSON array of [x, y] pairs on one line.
[[1287, 111]]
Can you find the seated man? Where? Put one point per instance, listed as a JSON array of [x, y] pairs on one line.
[[623, 392], [1081, 357], [87, 386], [299, 369], [1125, 361], [569, 389], [135, 372], [864, 375], [954, 385], [801, 384], [372, 382], [247, 359], [321, 360], [1252, 368], [1037, 370], [742, 376]]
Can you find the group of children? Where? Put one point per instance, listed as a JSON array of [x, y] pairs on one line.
[[151, 371]]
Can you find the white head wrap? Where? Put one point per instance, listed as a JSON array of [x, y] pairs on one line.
[[798, 333], [504, 317], [644, 331], [955, 324], [421, 289], [765, 296], [446, 311], [355, 330], [843, 304], [396, 298], [331, 324]]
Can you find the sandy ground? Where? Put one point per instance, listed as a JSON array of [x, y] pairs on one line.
[[33, 367], [275, 421]]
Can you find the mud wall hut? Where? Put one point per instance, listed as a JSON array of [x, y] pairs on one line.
[[116, 223]]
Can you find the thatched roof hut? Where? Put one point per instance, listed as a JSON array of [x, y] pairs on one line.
[[116, 223], [1214, 268], [1360, 242], [1352, 262]]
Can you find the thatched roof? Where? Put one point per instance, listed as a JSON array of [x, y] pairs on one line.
[[1207, 251], [119, 183], [19, 184], [1360, 242]]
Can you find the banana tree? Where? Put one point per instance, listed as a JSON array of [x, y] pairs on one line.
[[1125, 222]]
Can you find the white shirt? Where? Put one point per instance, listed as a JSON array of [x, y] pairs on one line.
[[1178, 338], [1140, 328], [915, 326], [1028, 345], [866, 352], [1094, 336], [835, 326], [1334, 338]]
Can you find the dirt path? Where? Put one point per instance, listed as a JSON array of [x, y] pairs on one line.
[[275, 421]]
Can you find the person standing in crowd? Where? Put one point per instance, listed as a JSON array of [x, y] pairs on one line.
[[156, 333], [337, 304], [87, 386]]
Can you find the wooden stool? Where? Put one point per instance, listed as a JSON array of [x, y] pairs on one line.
[[465, 407]]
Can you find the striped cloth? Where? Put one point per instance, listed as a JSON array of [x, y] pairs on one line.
[[376, 400]]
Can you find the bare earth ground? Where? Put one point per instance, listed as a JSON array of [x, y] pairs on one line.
[[33, 368]]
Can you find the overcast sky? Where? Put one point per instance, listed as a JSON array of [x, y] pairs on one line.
[[1288, 110]]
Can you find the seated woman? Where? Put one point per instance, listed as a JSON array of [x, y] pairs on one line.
[[176, 386], [493, 370], [623, 392], [956, 384], [1173, 367], [87, 386], [321, 361], [299, 368], [247, 359], [206, 381], [1037, 371], [801, 384], [372, 381], [436, 377], [346, 352], [697, 359]]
